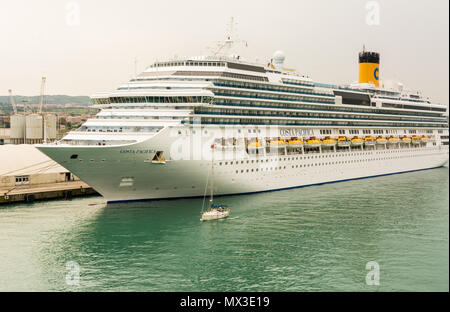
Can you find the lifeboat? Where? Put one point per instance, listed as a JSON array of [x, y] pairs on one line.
[[328, 142], [296, 142], [415, 139], [313, 142], [343, 141], [392, 140], [369, 140], [357, 141], [405, 140], [424, 139], [278, 143], [381, 140], [255, 144]]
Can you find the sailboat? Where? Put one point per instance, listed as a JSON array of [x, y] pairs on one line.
[[215, 211]]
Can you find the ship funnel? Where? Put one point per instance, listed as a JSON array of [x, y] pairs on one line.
[[369, 67]]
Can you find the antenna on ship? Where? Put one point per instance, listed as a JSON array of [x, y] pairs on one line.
[[226, 46]]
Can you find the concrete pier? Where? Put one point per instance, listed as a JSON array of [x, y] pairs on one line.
[[27, 175], [61, 190]]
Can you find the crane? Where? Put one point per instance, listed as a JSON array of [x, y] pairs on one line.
[[11, 98], [41, 99]]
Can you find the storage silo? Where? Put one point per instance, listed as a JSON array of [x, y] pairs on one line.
[[17, 133], [34, 129], [50, 127]]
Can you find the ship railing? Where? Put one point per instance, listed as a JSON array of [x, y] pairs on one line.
[[92, 142]]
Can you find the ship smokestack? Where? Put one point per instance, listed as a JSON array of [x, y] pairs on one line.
[[369, 67]]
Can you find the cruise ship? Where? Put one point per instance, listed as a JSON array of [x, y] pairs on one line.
[[263, 127]]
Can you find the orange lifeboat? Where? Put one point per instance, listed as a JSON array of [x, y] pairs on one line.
[[343, 141], [313, 142], [295, 142], [369, 140], [328, 142], [392, 140], [381, 140], [357, 141]]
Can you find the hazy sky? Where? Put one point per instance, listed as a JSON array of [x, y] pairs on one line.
[[320, 38]]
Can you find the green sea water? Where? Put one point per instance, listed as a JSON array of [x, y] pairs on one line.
[[309, 239]]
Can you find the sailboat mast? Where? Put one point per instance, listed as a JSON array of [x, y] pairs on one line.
[[212, 173]]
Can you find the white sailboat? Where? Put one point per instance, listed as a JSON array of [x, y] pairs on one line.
[[215, 211]]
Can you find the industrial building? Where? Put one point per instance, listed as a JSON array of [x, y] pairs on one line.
[[4, 135], [32, 128]]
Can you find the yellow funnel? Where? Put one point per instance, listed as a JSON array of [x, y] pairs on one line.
[[369, 68]]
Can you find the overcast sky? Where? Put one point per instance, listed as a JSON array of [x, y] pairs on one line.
[[95, 50]]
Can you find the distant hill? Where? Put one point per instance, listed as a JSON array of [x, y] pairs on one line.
[[49, 99]]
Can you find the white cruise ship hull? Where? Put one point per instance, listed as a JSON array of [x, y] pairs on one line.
[[154, 135], [127, 173]]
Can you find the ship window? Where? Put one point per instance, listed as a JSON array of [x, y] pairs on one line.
[[74, 156], [22, 180]]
